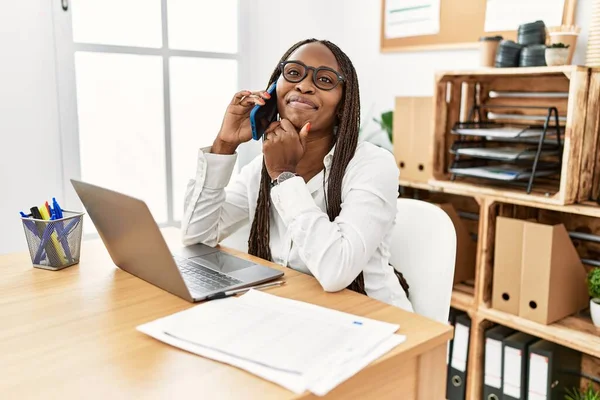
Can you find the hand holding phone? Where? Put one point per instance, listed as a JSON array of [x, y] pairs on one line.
[[261, 116], [236, 128]]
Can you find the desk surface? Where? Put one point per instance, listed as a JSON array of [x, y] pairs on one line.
[[72, 333]]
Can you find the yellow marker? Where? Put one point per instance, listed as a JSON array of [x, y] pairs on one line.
[[54, 237]]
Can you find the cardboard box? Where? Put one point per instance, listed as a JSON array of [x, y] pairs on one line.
[[553, 277], [538, 274], [413, 137], [508, 255]]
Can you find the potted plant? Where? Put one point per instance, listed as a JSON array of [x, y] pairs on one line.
[[386, 123], [578, 394], [557, 54], [593, 282]]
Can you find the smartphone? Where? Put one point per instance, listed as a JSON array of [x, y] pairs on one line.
[[262, 116]]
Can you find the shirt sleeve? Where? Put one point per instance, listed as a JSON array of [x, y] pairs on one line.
[[336, 251], [213, 210]]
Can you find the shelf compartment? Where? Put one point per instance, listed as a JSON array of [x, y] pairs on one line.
[[530, 168], [458, 92], [464, 214], [575, 331]]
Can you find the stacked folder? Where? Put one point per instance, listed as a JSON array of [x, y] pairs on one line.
[[520, 366], [493, 377], [458, 355]]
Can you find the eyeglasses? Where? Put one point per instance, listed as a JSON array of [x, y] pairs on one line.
[[324, 78]]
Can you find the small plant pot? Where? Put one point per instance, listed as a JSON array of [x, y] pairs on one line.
[[556, 56], [595, 311], [569, 38]]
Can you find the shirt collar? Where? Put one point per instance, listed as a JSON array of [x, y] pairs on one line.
[[316, 183], [329, 157]]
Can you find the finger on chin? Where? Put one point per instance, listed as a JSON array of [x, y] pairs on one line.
[[287, 125]]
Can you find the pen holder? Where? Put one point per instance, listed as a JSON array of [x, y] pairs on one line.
[[54, 244]]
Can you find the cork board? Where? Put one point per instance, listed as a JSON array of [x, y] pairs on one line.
[[461, 25]]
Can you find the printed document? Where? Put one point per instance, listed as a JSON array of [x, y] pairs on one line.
[[297, 345]]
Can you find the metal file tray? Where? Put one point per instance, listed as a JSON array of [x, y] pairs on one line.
[[492, 130], [505, 172], [508, 154]]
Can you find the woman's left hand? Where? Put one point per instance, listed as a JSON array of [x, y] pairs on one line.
[[284, 147]]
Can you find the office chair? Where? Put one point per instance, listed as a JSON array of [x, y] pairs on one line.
[[424, 250]]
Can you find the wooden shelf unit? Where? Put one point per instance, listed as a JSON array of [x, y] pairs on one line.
[[572, 201], [576, 332], [458, 91]]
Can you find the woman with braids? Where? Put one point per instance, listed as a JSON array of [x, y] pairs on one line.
[[318, 201]]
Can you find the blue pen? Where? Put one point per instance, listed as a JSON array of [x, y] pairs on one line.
[[57, 210], [45, 237], [29, 224], [32, 228], [57, 213]]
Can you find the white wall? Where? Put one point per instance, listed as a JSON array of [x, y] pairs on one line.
[[30, 168], [354, 25]]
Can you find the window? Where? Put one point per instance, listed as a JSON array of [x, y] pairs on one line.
[[152, 79]]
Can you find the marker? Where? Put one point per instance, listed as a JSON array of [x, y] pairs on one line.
[[35, 212], [48, 209], [57, 210]]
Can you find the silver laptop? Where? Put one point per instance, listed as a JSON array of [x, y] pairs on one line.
[[137, 246]]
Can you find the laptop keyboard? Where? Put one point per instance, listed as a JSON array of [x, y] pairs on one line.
[[202, 279]]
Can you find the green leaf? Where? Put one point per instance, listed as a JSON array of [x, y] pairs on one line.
[[558, 46], [593, 282], [573, 394], [577, 394], [386, 123]]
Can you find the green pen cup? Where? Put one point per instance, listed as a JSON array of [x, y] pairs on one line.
[[54, 244]]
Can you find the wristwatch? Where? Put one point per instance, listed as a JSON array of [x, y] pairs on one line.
[[284, 176]]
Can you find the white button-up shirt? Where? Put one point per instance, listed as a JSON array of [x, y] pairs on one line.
[[301, 235]]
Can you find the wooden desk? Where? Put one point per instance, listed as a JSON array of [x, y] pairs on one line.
[[71, 334]]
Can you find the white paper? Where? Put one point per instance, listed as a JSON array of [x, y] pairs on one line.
[[502, 153], [501, 132], [507, 15], [338, 375], [538, 377], [512, 372], [505, 172], [404, 18], [493, 363], [460, 347], [233, 332]]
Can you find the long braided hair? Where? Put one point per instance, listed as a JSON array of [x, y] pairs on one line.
[[346, 141]]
